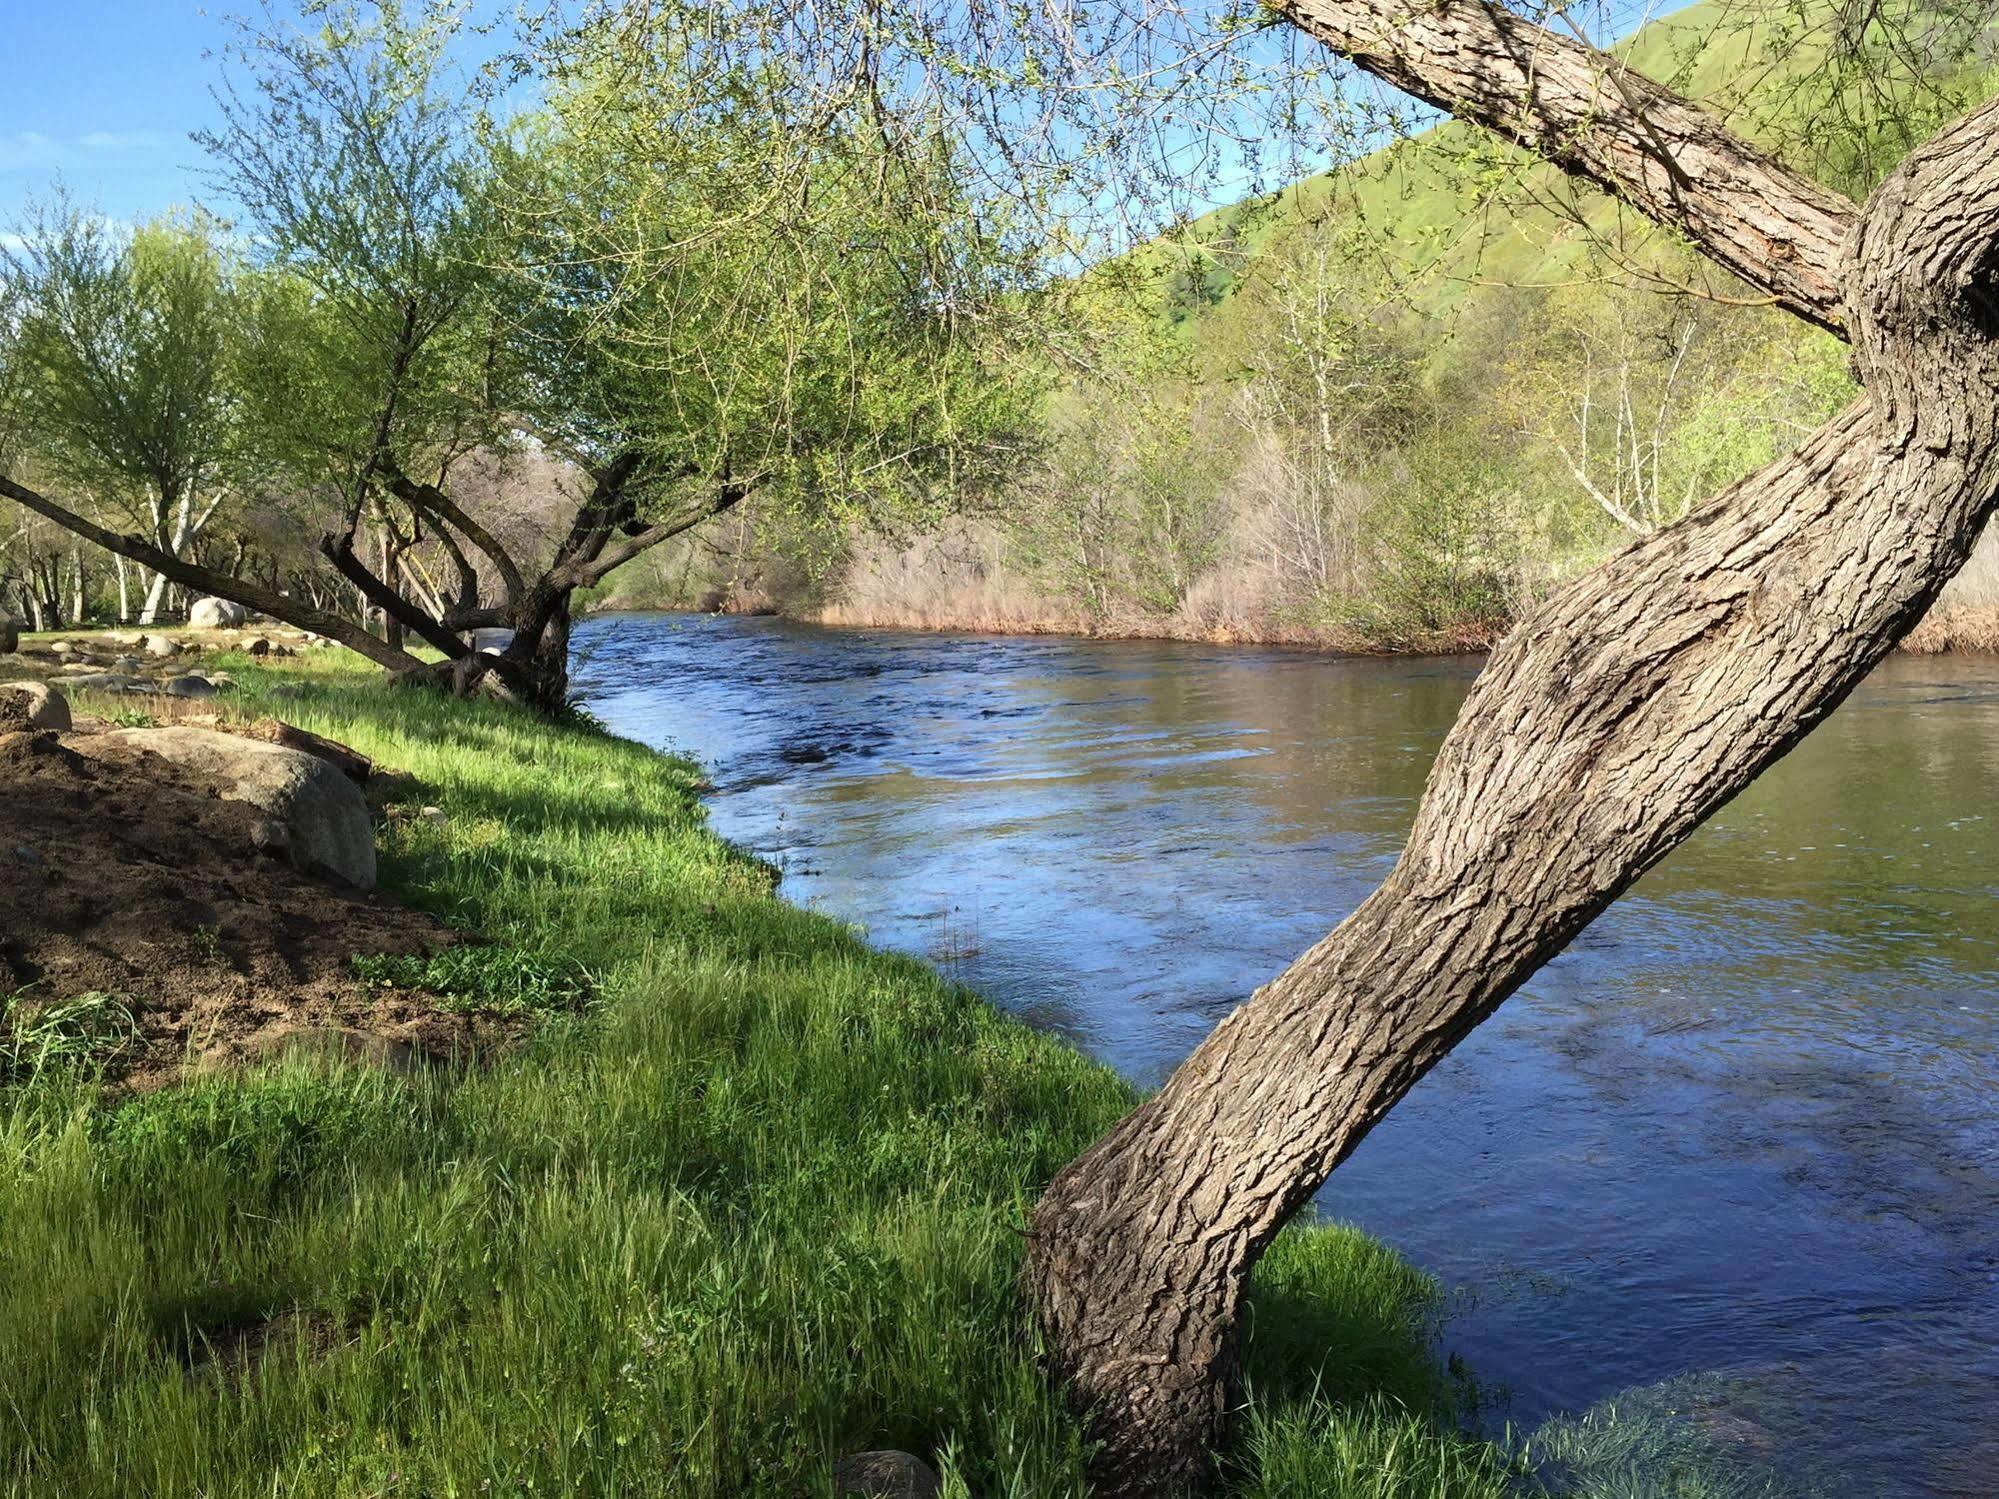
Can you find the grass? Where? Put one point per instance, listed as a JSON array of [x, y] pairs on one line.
[[755, 1206], [497, 980], [37, 1036]]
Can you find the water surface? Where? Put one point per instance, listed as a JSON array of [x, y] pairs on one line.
[[1735, 1154]]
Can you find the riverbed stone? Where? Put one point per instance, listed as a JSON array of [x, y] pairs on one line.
[[160, 647], [191, 685], [885, 1475]]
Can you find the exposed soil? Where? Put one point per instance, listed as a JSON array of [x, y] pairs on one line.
[[122, 875]]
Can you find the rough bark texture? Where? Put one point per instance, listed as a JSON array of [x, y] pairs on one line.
[[1616, 719], [1597, 118]]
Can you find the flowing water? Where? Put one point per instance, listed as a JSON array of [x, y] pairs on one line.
[[1732, 1160]]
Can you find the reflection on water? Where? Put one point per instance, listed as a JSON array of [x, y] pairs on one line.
[[1746, 1129]]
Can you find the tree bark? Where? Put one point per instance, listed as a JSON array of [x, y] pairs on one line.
[[1615, 720], [195, 577], [1596, 117]]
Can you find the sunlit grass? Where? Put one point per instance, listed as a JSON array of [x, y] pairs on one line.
[[756, 1204]]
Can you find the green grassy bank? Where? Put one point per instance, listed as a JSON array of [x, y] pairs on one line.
[[757, 1205]]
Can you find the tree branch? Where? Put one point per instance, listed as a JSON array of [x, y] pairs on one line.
[[339, 550], [1593, 116], [190, 575], [428, 497], [582, 573]]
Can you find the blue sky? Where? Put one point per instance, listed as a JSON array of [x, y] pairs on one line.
[[103, 93]]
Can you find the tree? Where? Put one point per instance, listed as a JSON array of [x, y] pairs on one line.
[[1608, 726], [685, 272], [121, 347]]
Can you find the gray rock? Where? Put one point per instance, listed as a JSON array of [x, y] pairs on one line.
[[313, 814], [62, 648], [216, 614], [159, 646], [105, 681], [885, 1475], [191, 685], [492, 642], [46, 707]]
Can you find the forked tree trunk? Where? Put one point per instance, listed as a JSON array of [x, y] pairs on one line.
[[1604, 731]]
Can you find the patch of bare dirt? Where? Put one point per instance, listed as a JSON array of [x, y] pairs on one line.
[[122, 875]]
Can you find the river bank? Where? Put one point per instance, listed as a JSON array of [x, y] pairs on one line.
[[754, 1207], [963, 579], [1740, 1133], [1948, 629]]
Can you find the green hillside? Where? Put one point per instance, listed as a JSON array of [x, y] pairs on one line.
[[1393, 404], [1454, 210]]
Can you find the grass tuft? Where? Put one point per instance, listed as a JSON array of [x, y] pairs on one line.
[[497, 980], [83, 1031]]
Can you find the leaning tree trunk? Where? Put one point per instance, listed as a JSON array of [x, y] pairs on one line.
[[1604, 730]]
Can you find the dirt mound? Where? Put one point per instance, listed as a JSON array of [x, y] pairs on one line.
[[123, 877]]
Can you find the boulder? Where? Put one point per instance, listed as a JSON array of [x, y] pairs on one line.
[[885, 1475], [191, 685], [62, 648], [351, 762], [41, 705], [159, 646], [313, 814], [216, 614]]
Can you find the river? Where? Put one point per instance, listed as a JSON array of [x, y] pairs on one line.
[[1733, 1156]]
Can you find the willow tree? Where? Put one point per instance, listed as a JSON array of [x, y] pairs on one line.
[[673, 266], [1607, 727], [119, 350]]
